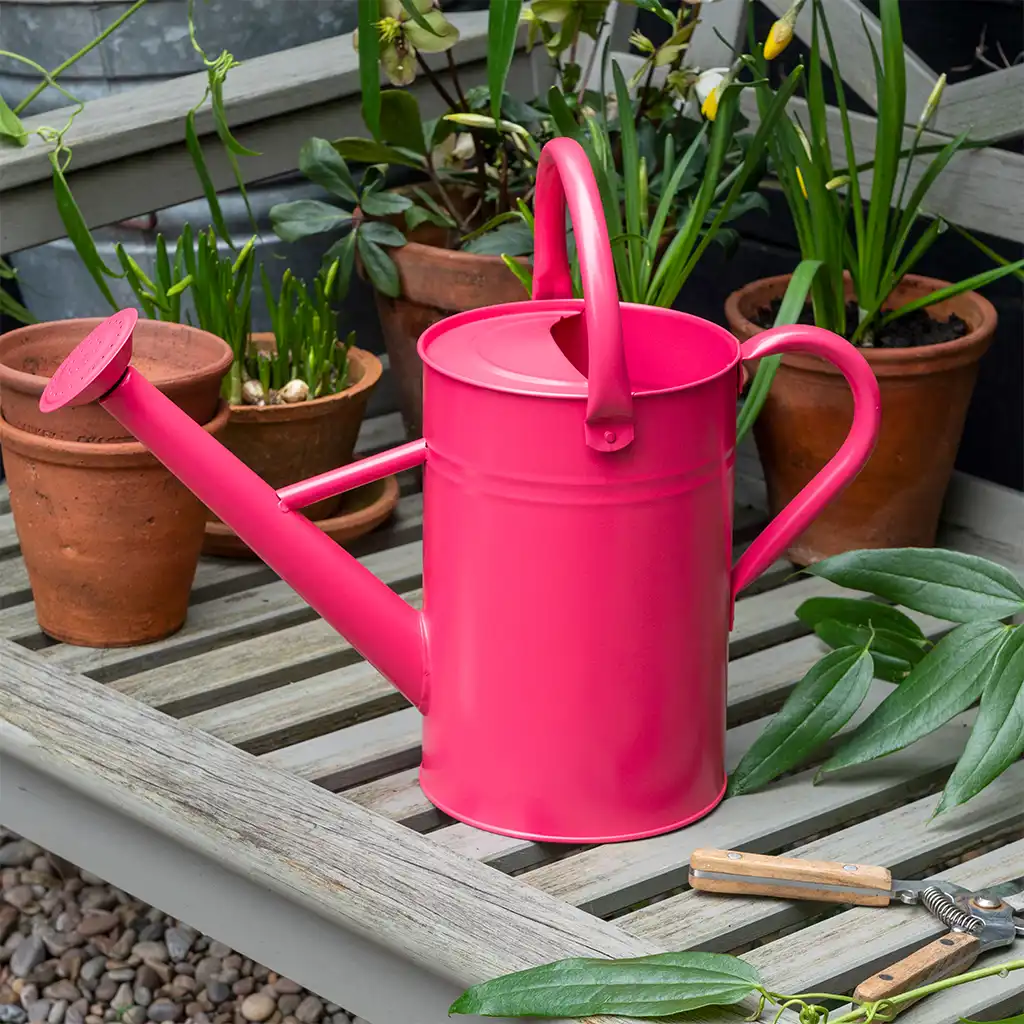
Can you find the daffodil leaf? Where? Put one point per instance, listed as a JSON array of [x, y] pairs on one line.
[[502, 32]]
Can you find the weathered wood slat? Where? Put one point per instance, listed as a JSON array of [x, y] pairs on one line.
[[363, 873], [8, 534], [864, 940], [245, 669], [286, 715], [991, 105], [608, 878], [903, 840]]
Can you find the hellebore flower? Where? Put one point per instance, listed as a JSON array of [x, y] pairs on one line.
[[401, 37], [781, 33], [709, 87]]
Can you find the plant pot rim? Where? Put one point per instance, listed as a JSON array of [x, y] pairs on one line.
[[369, 363], [35, 384], [97, 455], [966, 349]]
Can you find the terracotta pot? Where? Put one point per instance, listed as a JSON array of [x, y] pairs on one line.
[[897, 498], [436, 282], [285, 443], [110, 539], [185, 363]]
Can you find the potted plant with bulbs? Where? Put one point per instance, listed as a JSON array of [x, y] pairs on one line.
[[922, 337]]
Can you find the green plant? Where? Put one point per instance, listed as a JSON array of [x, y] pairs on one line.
[[160, 299], [222, 295], [665, 984], [309, 360], [320, 162], [981, 659], [877, 237]]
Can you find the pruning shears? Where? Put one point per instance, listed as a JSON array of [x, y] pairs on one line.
[[978, 920]]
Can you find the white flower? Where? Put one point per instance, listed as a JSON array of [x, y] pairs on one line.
[[709, 87]]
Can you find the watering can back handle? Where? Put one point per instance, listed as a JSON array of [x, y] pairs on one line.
[[843, 467], [564, 173]]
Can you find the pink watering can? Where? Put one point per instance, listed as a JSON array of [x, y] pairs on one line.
[[570, 658]]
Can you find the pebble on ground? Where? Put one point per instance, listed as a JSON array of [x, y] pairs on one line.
[[76, 950]]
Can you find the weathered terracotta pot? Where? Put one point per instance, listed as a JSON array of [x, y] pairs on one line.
[[185, 363], [436, 282], [897, 498], [285, 443], [110, 538]]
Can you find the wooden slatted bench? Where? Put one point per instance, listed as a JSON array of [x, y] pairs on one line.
[[253, 776]]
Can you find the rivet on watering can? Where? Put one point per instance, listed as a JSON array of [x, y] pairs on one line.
[[609, 436]]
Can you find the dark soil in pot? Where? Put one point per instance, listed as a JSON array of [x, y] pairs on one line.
[[926, 388], [110, 538], [185, 363], [911, 331]]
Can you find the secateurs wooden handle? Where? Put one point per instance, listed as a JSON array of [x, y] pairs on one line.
[[754, 874]]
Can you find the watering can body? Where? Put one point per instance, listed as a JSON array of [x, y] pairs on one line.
[[570, 658]]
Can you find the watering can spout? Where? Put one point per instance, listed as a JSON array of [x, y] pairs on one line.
[[378, 623]]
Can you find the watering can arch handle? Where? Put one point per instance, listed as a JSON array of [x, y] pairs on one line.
[[842, 468], [564, 173]]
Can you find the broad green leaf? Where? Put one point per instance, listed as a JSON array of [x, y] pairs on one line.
[[369, 63], [857, 612], [380, 268], [502, 30], [383, 204], [512, 239], [320, 162], [10, 124], [304, 217], [947, 584], [894, 654], [939, 687], [997, 739], [366, 151], [381, 233], [400, 120], [653, 986], [819, 706], [417, 215]]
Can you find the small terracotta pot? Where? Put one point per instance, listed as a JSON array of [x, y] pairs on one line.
[[436, 282], [185, 363], [110, 538], [290, 442], [897, 498]]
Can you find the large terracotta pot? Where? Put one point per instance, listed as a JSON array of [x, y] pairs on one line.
[[289, 442], [185, 363], [897, 498], [110, 538], [436, 282]]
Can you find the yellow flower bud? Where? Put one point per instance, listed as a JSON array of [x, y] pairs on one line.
[[800, 178], [779, 37]]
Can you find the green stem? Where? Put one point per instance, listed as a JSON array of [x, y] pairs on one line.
[[61, 68], [937, 986]]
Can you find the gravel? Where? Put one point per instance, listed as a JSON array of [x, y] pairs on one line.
[[77, 950]]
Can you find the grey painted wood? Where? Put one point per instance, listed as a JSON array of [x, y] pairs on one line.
[[903, 840], [847, 20], [991, 105], [609, 878], [865, 939], [367, 876], [275, 102]]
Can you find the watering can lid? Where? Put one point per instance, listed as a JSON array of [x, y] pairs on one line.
[[508, 348]]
